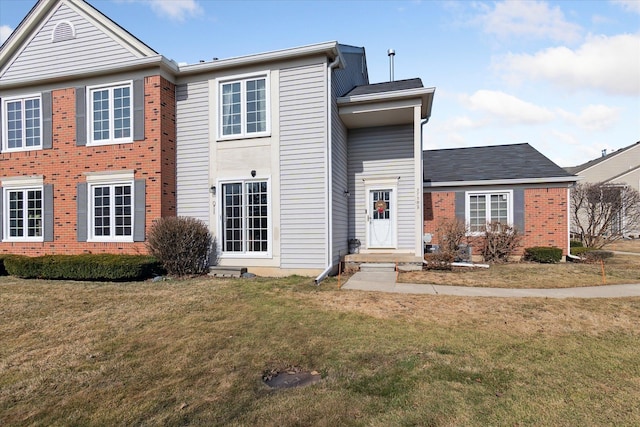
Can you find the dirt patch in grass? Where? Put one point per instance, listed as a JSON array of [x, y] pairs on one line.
[[617, 270]]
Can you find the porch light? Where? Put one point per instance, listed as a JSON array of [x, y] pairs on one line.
[[212, 190]]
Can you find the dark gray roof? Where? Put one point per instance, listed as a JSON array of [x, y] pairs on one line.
[[386, 87], [580, 168], [497, 162]]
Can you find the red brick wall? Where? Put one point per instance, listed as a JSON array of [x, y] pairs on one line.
[[545, 216], [63, 166]]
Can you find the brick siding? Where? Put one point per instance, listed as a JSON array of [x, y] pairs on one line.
[[65, 164], [545, 216]]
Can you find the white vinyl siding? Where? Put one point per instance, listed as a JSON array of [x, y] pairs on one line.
[[192, 151], [303, 133], [383, 153], [92, 48]]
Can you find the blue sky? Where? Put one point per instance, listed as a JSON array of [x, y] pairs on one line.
[[563, 76]]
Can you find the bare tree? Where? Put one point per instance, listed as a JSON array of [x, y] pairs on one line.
[[602, 213]]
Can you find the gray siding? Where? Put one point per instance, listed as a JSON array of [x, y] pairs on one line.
[[90, 49], [192, 166], [382, 152], [303, 124]]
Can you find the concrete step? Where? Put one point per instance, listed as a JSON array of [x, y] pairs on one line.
[[227, 271], [371, 267]]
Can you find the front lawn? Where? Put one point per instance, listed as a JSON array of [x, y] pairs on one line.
[[617, 270], [193, 352]]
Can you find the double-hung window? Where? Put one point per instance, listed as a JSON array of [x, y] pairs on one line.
[[244, 107], [245, 217], [24, 214], [486, 208], [111, 114], [22, 123], [111, 211]]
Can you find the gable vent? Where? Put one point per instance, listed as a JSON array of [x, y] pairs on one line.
[[63, 31]]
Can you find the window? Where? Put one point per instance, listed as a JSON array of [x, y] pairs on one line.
[[111, 114], [22, 124], [112, 211], [483, 208], [245, 221], [24, 214], [244, 107]]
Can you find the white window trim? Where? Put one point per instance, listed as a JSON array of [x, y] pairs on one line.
[[5, 123], [101, 180], [10, 184], [89, 109], [243, 78], [467, 207], [220, 202]]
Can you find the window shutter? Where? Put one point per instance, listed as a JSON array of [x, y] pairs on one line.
[[82, 211], [139, 210], [518, 209], [1, 213], [47, 120], [460, 206], [81, 117], [138, 110], [48, 212]]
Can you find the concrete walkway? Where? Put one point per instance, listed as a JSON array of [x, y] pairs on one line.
[[386, 282]]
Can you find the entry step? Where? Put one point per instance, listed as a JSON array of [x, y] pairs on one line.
[[370, 267]]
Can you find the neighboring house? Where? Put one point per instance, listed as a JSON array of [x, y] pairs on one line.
[[621, 167], [285, 155], [513, 184]]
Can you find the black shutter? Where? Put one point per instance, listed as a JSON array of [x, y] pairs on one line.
[[139, 210], [81, 116], [518, 209], [82, 211], [138, 110], [460, 206], [48, 212], [47, 120]]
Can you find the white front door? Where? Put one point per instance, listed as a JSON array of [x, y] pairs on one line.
[[380, 214]]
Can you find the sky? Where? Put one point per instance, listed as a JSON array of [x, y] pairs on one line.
[[563, 76]]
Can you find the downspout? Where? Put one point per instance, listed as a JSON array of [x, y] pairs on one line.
[[328, 176], [422, 123]]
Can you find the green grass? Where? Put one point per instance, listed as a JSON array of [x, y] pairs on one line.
[[193, 352]]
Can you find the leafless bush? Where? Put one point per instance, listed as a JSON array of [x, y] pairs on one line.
[[499, 242], [452, 234], [602, 213], [183, 245]]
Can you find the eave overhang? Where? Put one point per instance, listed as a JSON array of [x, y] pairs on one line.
[[569, 180], [385, 108]]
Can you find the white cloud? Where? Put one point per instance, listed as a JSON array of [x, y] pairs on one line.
[[607, 64], [630, 5], [505, 107], [593, 118], [531, 19], [5, 32], [177, 10]]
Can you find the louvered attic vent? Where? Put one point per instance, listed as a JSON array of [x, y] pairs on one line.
[[63, 31]]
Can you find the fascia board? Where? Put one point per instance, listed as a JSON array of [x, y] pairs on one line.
[[425, 93], [321, 48], [560, 179], [139, 64]]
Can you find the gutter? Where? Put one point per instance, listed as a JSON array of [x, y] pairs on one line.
[[328, 176]]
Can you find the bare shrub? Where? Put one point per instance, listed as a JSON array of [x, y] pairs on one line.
[[499, 242], [452, 235], [438, 261], [183, 245], [602, 213]]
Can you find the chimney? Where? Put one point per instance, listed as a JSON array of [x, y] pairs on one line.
[[391, 54]]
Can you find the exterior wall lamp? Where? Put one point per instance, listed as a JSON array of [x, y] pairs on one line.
[[212, 190]]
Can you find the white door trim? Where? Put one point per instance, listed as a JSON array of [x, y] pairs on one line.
[[378, 185]]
